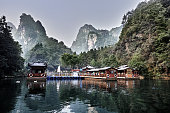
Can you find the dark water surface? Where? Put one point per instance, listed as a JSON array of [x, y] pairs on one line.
[[85, 96]]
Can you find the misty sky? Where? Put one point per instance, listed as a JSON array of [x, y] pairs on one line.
[[63, 18]]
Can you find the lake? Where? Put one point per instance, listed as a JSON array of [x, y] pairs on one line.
[[84, 96]]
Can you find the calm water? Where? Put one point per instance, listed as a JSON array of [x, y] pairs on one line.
[[85, 96]]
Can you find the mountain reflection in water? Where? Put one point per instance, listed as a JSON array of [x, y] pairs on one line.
[[83, 96]]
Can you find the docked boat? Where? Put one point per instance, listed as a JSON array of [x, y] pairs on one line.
[[37, 71]]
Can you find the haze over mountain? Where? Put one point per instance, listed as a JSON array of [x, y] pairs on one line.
[[14, 29], [36, 45], [90, 38], [63, 18]]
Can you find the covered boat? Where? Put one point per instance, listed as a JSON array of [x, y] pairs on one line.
[[37, 71]]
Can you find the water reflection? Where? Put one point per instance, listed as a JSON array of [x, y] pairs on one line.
[[110, 86], [36, 87], [83, 96], [35, 95], [9, 90]]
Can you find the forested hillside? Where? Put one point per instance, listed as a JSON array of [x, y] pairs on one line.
[[97, 58], [145, 38], [144, 41]]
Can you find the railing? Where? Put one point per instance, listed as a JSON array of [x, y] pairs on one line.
[[121, 75], [86, 74], [102, 75], [59, 74]]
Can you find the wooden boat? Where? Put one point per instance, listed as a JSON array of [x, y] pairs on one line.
[[37, 72]]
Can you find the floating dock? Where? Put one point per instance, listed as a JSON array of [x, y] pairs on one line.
[[64, 77], [84, 77]]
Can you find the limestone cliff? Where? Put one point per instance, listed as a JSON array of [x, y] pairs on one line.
[[29, 33], [90, 38], [36, 45]]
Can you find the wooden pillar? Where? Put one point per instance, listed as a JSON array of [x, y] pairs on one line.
[[124, 73]]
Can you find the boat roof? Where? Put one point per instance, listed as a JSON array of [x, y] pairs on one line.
[[123, 67], [88, 67], [98, 69], [37, 64]]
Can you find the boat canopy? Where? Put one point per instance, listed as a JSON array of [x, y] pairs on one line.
[[88, 67], [98, 69], [123, 67], [37, 64]]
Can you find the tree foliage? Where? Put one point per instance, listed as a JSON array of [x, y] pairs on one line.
[[146, 33], [69, 60], [138, 63], [97, 58], [10, 51]]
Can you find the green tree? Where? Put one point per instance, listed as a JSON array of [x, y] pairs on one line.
[[93, 63], [105, 62], [113, 61], [69, 60], [74, 61], [65, 59], [10, 51], [138, 63]]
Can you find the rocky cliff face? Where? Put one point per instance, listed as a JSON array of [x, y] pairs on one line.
[[29, 33], [91, 38], [36, 45]]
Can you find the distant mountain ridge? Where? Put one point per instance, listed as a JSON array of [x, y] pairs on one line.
[[14, 29], [90, 38]]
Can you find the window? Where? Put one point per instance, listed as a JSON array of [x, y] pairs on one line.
[[129, 71], [33, 71], [39, 71]]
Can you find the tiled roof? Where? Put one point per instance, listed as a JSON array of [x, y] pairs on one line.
[[37, 64], [99, 69]]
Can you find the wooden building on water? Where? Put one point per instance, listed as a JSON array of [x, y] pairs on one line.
[[122, 72], [126, 72], [101, 73], [37, 71], [85, 69]]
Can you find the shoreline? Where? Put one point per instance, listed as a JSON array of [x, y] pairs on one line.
[[140, 77]]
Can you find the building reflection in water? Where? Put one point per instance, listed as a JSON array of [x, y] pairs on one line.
[[36, 87], [36, 91], [89, 95], [109, 85], [56, 95]]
